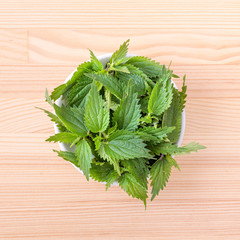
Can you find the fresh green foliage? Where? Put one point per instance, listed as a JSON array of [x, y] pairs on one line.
[[78, 93], [103, 172], [127, 114], [123, 145], [53, 117], [84, 157], [172, 161], [138, 168], [108, 155], [173, 115], [160, 98], [122, 121], [74, 122], [68, 156], [132, 187], [159, 175], [138, 81], [64, 88], [148, 66], [96, 111], [169, 148], [122, 69], [155, 135], [96, 64], [119, 56], [109, 82], [47, 98], [65, 137], [183, 93]]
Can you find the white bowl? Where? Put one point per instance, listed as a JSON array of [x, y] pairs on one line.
[[66, 147]]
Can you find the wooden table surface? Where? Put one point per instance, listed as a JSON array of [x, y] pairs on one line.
[[44, 197]]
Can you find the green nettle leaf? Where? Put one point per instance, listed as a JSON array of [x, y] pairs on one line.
[[134, 70], [64, 88], [92, 146], [84, 67], [96, 111], [65, 137], [175, 76], [119, 56], [160, 98], [103, 173], [96, 64], [79, 91], [60, 90], [132, 187], [47, 98], [137, 167], [139, 82], [68, 156], [123, 69], [123, 145], [173, 116], [109, 82], [97, 141], [159, 175], [148, 66], [53, 117], [79, 113], [72, 121], [154, 134], [172, 162], [113, 161], [172, 149], [112, 129], [84, 157], [183, 93], [127, 114], [147, 137]]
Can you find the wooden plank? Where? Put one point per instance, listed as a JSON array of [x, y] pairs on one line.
[[120, 14], [65, 46], [204, 81], [30, 81], [13, 46]]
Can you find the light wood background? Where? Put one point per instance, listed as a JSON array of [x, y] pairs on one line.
[[41, 42]]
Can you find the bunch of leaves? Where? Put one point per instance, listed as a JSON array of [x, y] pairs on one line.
[[121, 121]]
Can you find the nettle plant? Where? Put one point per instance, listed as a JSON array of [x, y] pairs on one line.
[[122, 122]]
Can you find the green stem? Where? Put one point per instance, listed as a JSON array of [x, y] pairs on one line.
[[149, 117], [108, 98], [92, 146], [104, 135]]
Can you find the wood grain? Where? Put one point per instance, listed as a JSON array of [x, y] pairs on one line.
[[120, 14], [44, 197], [13, 46], [60, 46]]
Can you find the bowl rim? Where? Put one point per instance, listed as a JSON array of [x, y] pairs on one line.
[[103, 59]]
